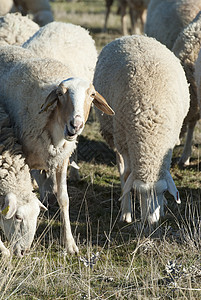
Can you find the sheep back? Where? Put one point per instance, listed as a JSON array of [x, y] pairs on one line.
[[15, 29], [70, 44], [146, 86]]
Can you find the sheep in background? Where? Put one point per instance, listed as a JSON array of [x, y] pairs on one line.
[[15, 29], [167, 18], [73, 46], [19, 206], [48, 107], [137, 9], [146, 86], [186, 48], [108, 4], [40, 9]]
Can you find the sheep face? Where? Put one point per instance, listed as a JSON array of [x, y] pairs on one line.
[[74, 97], [19, 223]]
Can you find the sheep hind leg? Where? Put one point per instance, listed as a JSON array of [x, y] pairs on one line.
[[126, 211], [184, 160], [63, 200]]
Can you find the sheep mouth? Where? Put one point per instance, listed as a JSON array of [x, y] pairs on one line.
[[69, 135]]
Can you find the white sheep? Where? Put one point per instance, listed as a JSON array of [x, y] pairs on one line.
[[40, 9], [145, 84], [15, 29], [167, 18], [19, 206], [186, 48], [73, 46], [48, 107]]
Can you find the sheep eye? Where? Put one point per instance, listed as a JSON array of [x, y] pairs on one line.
[[93, 95], [60, 94], [18, 218]]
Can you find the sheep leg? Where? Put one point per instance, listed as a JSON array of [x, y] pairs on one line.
[[123, 166], [63, 200], [5, 252], [184, 160], [123, 17], [108, 6]]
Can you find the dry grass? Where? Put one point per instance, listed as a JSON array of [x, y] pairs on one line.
[[116, 261]]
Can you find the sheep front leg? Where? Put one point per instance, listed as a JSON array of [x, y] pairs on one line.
[[63, 200], [5, 252]]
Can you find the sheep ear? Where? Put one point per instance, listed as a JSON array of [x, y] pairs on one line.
[[102, 104], [171, 187], [49, 101], [10, 206]]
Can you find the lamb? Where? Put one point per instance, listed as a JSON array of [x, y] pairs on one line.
[[48, 107], [186, 48], [19, 206], [40, 9], [167, 18], [145, 84], [15, 29]]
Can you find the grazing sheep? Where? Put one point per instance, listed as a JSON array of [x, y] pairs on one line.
[[40, 9], [48, 108], [19, 206], [167, 18], [146, 86], [5, 6], [16, 29], [75, 48], [70, 44], [186, 48]]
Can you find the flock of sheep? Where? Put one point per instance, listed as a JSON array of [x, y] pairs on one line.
[[146, 96]]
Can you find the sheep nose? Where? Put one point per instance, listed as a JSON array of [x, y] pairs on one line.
[[77, 123]]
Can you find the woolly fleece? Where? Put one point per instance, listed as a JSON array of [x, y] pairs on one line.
[[167, 18], [16, 29], [70, 44]]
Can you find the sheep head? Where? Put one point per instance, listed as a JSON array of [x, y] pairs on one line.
[[19, 221], [73, 98]]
